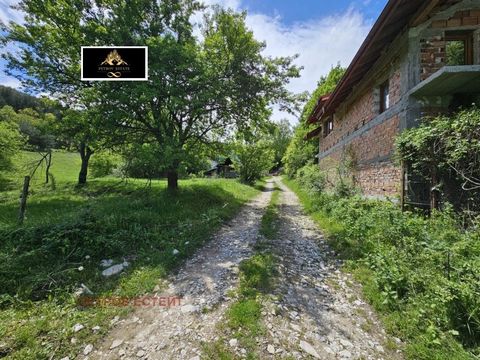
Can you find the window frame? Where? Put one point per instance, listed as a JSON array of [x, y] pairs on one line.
[[384, 96], [328, 126], [467, 38]]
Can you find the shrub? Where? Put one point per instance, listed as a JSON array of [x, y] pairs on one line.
[[103, 164], [253, 160], [311, 178]]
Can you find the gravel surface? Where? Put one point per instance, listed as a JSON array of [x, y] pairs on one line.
[[315, 311]]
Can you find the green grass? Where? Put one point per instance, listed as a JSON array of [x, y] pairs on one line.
[[257, 278], [400, 258], [268, 225], [67, 227]]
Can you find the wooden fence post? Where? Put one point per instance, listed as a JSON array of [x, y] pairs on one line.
[[23, 200]]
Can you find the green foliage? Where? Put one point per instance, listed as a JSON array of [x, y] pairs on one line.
[[421, 274], [311, 178], [17, 99], [200, 89], [11, 139], [269, 223], [447, 147], [281, 135], [301, 152], [253, 160], [104, 163]]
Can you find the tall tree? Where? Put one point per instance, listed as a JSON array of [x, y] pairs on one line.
[[199, 88], [300, 152]]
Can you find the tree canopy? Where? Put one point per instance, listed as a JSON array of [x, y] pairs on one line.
[[301, 152], [201, 87]]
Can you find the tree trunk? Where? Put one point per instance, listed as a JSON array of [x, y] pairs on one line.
[[85, 154], [172, 177]]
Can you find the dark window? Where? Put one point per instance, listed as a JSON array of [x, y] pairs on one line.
[[459, 48], [328, 126], [384, 96]]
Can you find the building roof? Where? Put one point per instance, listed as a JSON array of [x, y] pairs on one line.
[[316, 114], [394, 18]]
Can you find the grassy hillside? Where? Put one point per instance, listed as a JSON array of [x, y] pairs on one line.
[[69, 230]]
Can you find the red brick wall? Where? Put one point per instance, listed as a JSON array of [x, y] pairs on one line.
[[375, 144]]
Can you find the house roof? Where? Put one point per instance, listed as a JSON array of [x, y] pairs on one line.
[[396, 15], [313, 134], [316, 114]]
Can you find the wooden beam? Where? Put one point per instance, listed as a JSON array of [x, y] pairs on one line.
[[422, 15]]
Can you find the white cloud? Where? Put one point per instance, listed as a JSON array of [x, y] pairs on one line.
[[320, 44], [9, 81], [8, 14]]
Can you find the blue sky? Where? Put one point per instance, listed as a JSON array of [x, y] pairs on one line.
[[322, 33], [293, 11]]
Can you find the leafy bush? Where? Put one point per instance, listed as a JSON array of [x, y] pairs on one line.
[[422, 273], [311, 178], [10, 142], [103, 164], [253, 160], [447, 148]]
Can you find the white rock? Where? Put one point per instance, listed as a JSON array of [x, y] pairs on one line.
[[113, 270], [346, 343], [189, 308], [87, 257], [88, 349], [175, 252], [78, 327], [233, 342], [106, 263], [96, 328], [271, 349], [345, 354], [141, 353], [121, 352], [116, 343], [65, 358], [73, 341], [309, 349], [81, 268]]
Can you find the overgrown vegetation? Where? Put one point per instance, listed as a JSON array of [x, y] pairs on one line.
[[69, 230], [445, 152], [422, 274]]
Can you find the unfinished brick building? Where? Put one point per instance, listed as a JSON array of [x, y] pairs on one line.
[[421, 57]]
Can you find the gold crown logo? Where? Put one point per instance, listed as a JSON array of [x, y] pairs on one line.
[[113, 58]]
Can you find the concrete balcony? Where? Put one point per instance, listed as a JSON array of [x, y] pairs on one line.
[[450, 80]]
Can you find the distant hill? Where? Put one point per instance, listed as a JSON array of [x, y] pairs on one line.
[[17, 99]]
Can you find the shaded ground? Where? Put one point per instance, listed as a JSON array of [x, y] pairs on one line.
[[314, 312]]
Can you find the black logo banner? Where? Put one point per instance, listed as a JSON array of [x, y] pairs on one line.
[[114, 63]]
